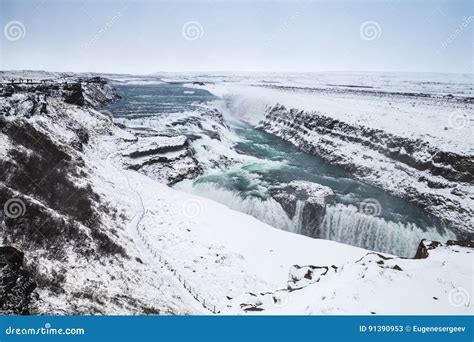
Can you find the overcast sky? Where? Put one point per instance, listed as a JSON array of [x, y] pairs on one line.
[[152, 36]]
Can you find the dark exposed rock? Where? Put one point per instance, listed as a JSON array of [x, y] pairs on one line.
[[306, 199], [7, 90], [469, 244], [73, 94], [253, 308], [16, 284], [157, 150], [424, 247], [302, 276]]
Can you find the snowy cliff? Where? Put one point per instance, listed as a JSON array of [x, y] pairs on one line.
[[413, 145]]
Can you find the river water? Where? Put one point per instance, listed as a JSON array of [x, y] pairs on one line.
[[391, 225]]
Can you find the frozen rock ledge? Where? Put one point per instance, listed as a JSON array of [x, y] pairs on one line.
[[304, 202]]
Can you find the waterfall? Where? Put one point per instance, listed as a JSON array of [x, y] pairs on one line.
[[347, 225], [297, 221], [341, 223], [268, 211]]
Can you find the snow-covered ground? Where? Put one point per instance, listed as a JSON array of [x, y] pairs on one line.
[[374, 284], [222, 254], [436, 84]]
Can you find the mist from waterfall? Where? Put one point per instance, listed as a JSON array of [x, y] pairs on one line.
[[268, 211]]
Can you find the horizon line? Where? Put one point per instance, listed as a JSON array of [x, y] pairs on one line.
[[154, 73]]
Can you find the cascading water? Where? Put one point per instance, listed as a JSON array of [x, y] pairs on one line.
[[268, 210], [346, 224], [297, 221], [342, 223], [264, 161]]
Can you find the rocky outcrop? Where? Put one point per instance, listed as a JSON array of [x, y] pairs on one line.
[[302, 276], [408, 168], [167, 158], [304, 202], [425, 246], [32, 98], [16, 283], [73, 94]]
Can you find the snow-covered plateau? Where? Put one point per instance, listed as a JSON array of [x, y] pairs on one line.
[[108, 209]]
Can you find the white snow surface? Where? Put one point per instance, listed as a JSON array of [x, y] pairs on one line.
[[442, 283], [441, 124]]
